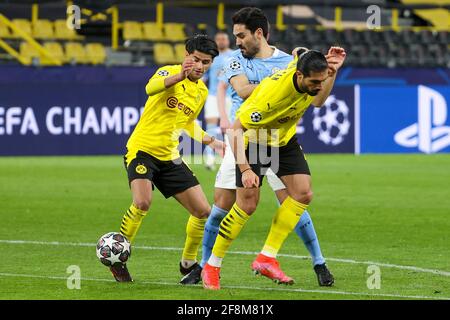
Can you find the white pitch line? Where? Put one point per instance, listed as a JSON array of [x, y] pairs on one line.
[[387, 295], [351, 261]]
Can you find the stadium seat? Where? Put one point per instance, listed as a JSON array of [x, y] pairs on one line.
[[23, 25], [4, 31], [28, 52], [43, 29], [132, 30], [56, 50], [180, 52], [163, 54], [174, 31], [152, 32], [95, 53], [62, 32], [75, 53]]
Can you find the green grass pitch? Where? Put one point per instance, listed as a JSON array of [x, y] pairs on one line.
[[387, 210]]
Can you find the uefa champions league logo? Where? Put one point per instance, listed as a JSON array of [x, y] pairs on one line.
[[331, 121]]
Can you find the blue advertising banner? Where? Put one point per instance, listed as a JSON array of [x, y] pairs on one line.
[[405, 119], [331, 128], [69, 111], [93, 110]]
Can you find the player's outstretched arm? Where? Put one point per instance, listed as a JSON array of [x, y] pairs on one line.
[[242, 86], [159, 84], [335, 59], [221, 102]]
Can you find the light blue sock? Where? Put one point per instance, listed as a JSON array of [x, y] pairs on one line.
[[211, 231], [213, 131], [305, 230]]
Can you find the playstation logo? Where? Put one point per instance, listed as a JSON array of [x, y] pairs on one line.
[[429, 134]]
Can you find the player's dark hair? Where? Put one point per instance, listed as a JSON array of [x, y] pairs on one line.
[[310, 61], [253, 19], [202, 43]]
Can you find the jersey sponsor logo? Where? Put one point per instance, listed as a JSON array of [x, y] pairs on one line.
[[256, 116], [331, 121], [172, 102], [287, 118], [141, 169], [163, 73], [429, 133], [235, 65]]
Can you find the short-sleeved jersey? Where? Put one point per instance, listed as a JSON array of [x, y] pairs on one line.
[[166, 114], [274, 109], [256, 69], [215, 72]]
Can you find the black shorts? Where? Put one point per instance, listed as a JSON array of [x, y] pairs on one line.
[[170, 177], [283, 161]]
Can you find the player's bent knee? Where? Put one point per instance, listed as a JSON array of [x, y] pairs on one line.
[[303, 197], [142, 204], [202, 212], [248, 205]]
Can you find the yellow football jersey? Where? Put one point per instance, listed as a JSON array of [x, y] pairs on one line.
[[272, 111], [167, 114]]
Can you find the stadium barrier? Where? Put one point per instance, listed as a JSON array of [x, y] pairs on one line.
[[93, 110]]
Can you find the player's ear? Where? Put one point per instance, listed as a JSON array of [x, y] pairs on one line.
[[259, 33]]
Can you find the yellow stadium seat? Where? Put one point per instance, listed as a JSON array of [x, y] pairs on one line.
[[440, 18], [180, 52], [56, 51], [75, 52], [28, 52], [4, 31], [23, 25], [152, 32], [43, 29], [132, 30], [163, 54], [95, 53], [174, 31], [62, 32]]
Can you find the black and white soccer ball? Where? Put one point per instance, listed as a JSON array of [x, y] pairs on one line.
[[256, 116], [235, 65], [113, 248], [331, 121]]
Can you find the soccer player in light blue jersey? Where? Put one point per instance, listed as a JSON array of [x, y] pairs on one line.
[[244, 70], [212, 109]]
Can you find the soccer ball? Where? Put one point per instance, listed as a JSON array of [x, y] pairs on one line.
[[113, 248], [256, 116]]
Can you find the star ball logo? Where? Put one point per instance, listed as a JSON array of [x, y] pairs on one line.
[[331, 121]]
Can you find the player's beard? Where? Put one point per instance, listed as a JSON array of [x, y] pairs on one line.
[[304, 88], [250, 51]]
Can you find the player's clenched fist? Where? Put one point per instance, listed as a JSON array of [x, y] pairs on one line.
[[335, 59], [186, 68]]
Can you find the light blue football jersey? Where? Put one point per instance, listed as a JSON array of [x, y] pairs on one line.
[[256, 69], [215, 72]]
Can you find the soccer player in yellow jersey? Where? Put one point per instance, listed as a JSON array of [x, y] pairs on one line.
[[269, 118], [176, 97]]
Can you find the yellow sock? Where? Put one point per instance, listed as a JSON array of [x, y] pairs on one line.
[[283, 223], [194, 235], [131, 222], [229, 229]]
